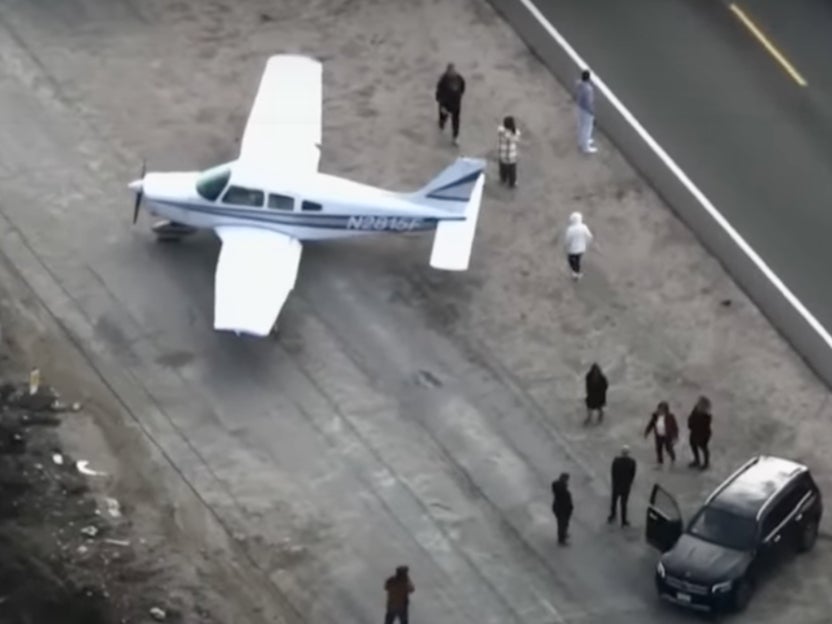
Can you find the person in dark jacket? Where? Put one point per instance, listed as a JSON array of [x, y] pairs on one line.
[[562, 506], [665, 431], [623, 473], [699, 426], [398, 588], [596, 393], [449, 92]]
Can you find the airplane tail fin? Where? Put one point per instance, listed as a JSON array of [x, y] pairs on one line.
[[457, 190]]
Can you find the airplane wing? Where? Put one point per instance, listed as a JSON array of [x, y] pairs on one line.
[[284, 126], [256, 272]]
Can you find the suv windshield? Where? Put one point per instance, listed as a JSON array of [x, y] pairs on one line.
[[724, 528], [211, 182]]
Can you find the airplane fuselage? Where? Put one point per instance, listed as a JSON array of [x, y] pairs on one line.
[[314, 207]]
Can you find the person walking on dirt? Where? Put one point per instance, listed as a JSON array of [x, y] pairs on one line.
[[577, 240], [665, 432], [623, 473], [562, 506], [449, 92], [699, 426], [398, 588], [596, 393], [508, 136]]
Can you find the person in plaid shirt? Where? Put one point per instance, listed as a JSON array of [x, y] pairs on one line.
[[508, 136]]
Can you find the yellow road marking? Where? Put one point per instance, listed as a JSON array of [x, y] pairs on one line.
[[768, 45]]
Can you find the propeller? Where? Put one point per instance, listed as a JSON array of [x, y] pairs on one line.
[[139, 193]]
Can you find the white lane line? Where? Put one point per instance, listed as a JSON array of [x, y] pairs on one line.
[[682, 176]]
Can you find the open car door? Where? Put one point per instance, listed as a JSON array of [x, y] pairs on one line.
[[664, 520]]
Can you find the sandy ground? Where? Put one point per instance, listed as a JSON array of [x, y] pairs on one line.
[[405, 415]]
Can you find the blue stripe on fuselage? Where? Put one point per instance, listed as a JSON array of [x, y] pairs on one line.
[[294, 219]]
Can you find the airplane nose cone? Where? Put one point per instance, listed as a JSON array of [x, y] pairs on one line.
[[136, 185]]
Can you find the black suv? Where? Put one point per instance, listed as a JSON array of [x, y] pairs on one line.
[[768, 503]]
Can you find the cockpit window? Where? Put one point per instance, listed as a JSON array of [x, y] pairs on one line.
[[211, 183], [281, 202], [243, 196]]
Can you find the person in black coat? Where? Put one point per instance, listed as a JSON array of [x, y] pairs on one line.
[[449, 92], [596, 393], [699, 426], [562, 506], [623, 474]]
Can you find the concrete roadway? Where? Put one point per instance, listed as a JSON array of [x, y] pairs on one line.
[[757, 143]]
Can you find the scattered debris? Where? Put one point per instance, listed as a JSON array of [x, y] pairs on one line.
[[84, 469], [113, 508], [58, 459], [90, 531], [158, 614], [116, 542], [34, 381], [83, 550]]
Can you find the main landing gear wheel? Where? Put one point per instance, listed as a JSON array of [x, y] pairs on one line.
[[171, 231]]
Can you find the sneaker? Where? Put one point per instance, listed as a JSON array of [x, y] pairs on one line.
[[611, 519], [624, 523], [576, 276], [590, 149], [456, 141], [693, 464]]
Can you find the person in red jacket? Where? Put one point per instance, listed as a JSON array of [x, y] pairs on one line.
[[665, 432], [398, 588]]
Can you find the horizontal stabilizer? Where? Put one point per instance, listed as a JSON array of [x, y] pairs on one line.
[[454, 238]]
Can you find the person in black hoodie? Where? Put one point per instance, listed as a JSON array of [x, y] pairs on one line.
[[449, 92], [699, 425], [596, 393], [562, 506]]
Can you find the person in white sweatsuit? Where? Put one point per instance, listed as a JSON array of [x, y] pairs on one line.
[[577, 240]]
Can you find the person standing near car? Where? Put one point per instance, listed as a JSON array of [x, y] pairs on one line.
[[699, 426], [665, 432], [562, 506], [623, 473], [398, 588], [596, 393], [449, 92]]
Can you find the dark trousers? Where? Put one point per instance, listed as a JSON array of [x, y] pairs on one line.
[[393, 615], [664, 443], [563, 526], [619, 495], [700, 444], [444, 113], [574, 262], [508, 173]]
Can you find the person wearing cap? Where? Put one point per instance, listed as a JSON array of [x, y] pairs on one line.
[[562, 506], [623, 474], [398, 588]]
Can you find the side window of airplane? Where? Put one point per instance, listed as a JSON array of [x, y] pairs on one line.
[[281, 202], [311, 206], [243, 196]]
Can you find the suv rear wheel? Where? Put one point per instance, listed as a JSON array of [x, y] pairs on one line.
[[808, 536]]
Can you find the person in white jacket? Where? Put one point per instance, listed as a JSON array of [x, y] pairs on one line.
[[577, 240]]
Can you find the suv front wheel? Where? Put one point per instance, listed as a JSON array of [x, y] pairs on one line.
[[742, 594], [808, 536]]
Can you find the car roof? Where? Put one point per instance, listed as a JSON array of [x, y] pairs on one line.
[[752, 485]]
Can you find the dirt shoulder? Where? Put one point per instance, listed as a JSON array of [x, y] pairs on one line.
[[106, 546]]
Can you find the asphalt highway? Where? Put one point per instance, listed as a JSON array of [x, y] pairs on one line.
[[722, 103]]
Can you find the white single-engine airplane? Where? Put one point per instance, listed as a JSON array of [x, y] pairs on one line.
[[273, 196]]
